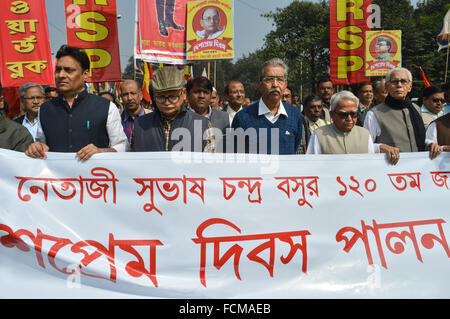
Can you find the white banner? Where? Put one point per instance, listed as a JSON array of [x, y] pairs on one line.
[[185, 225]]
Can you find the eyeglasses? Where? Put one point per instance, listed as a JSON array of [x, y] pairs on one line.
[[286, 96], [397, 81], [344, 115], [161, 99], [39, 98], [438, 101], [210, 19], [271, 79]]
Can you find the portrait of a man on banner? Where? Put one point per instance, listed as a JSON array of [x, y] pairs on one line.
[[383, 49], [383, 52], [212, 21], [209, 30]]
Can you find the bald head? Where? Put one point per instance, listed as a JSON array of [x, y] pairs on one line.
[[131, 94]]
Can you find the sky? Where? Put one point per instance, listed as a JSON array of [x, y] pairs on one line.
[[250, 27]]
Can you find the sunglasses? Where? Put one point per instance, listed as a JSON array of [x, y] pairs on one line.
[[344, 115], [439, 101]]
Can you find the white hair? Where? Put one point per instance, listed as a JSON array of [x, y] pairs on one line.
[[389, 74], [276, 62], [337, 97], [24, 87]]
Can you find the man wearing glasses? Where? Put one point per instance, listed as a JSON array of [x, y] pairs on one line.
[[235, 95], [171, 126], [210, 21], [343, 136], [31, 96], [396, 125], [268, 126], [433, 104], [383, 48]]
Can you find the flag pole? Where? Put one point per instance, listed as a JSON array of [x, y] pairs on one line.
[[136, 19], [446, 64], [209, 70], [215, 73]]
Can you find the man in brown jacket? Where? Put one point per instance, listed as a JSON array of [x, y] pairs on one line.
[[14, 136]]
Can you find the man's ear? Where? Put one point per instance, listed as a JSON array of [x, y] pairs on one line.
[[85, 75], [258, 84]]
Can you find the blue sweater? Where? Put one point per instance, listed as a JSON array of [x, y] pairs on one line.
[[289, 131]]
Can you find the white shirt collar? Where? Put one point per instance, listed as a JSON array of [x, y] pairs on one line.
[[232, 112], [264, 110], [425, 110], [207, 115], [29, 122]]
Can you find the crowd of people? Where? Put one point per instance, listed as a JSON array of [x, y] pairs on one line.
[[377, 117]]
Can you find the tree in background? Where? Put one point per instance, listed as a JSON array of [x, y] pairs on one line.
[[302, 38], [429, 16]]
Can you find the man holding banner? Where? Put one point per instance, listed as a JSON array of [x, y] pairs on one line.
[[77, 121], [13, 136], [171, 126], [342, 136], [396, 125]]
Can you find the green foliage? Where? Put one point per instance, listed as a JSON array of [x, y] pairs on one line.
[[301, 37], [429, 16]]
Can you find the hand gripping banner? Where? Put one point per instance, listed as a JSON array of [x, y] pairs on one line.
[[196, 225]]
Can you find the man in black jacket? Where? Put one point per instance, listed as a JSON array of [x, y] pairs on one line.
[[171, 126], [77, 121]]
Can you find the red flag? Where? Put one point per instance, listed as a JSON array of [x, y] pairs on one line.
[[424, 77], [148, 75], [24, 44]]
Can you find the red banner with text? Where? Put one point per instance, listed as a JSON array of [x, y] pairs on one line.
[[161, 31], [92, 26], [24, 43], [348, 22]]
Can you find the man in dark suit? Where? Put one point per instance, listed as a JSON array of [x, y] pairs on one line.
[[199, 93]]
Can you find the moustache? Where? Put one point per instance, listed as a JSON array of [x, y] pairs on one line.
[[275, 91]]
